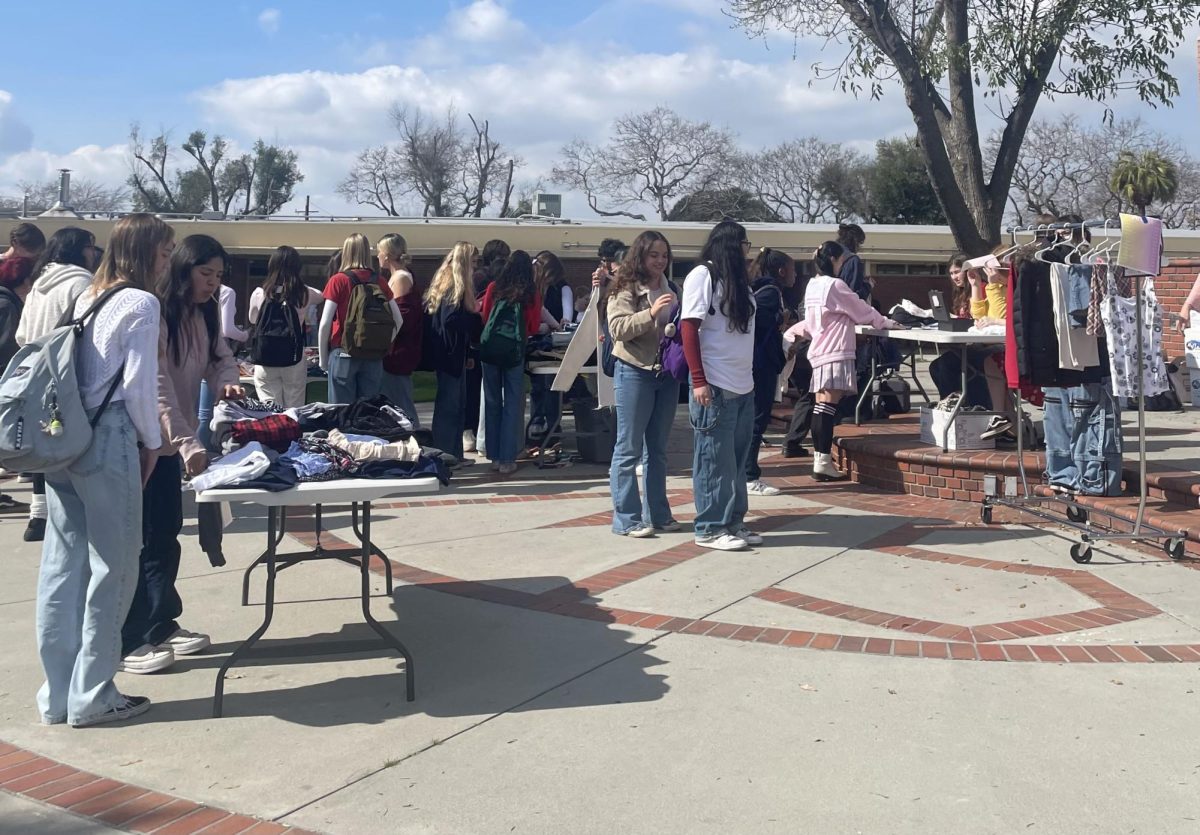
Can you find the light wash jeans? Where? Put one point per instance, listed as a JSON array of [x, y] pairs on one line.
[[503, 411], [646, 404], [353, 379], [89, 571], [724, 430], [1083, 439], [398, 388]]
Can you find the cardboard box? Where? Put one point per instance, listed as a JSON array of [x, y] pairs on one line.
[[963, 434]]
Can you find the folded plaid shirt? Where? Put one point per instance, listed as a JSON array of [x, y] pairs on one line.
[[274, 431]]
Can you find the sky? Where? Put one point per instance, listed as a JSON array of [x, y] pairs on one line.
[[320, 77]]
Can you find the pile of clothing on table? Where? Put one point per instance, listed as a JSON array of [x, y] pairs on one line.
[[267, 447]]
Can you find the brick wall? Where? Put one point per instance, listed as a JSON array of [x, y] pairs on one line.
[[1172, 287]]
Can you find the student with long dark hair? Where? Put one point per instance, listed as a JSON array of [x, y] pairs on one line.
[[851, 237], [718, 339], [504, 386], [773, 271], [61, 274], [642, 304], [284, 385], [90, 556], [190, 349], [831, 311], [491, 260], [453, 323], [558, 306]]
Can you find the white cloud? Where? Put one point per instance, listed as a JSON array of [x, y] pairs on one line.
[[269, 20], [105, 165], [15, 135], [481, 21]]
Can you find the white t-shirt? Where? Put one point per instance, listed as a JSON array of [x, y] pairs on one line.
[[727, 354]]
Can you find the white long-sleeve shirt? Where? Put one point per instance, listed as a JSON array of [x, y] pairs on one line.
[[227, 299], [124, 331]]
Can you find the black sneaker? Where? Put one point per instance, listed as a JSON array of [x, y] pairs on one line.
[[131, 707], [996, 427], [794, 451], [35, 531]]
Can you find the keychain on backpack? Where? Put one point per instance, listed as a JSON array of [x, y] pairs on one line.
[[54, 428]]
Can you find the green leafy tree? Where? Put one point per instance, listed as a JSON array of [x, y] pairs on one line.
[[1145, 178], [944, 54], [898, 185]]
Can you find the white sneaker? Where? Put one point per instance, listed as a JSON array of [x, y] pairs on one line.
[[748, 536], [639, 531], [147, 659], [721, 542], [469, 441], [761, 488], [183, 642]]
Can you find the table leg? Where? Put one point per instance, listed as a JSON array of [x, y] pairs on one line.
[[387, 564], [268, 612], [912, 367], [866, 392], [388, 638], [273, 541], [962, 395], [550, 431]]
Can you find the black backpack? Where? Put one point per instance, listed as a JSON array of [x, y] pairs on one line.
[[277, 338]]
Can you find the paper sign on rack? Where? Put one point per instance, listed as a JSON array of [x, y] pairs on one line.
[[1141, 244]]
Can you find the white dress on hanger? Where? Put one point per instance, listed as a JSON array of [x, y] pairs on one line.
[[1120, 323]]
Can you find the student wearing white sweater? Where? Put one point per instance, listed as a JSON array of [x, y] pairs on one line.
[[89, 566], [61, 274]]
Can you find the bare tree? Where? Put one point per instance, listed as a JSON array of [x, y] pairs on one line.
[[86, 195], [1065, 167], [794, 178], [148, 172], [377, 179], [431, 155], [654, 157]]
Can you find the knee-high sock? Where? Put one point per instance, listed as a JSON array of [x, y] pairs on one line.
[[824, 415]]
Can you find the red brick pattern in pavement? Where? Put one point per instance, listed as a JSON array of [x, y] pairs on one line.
[[117, 804]]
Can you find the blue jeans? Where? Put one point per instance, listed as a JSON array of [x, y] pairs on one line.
[[646, 404], [448, 413], [1083, 439], [398, 388], [351, 379], [208, 398], [89, 571], [543, 402], [503, 411], [724, 430]]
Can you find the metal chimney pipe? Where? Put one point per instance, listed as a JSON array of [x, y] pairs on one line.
[[64, 187]]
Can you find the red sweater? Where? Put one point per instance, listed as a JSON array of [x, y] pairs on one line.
[[533, 310]]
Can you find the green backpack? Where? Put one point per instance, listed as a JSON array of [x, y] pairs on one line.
[[367, 331], [503, 341]]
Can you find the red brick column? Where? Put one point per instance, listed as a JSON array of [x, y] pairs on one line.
[[1172, 287]]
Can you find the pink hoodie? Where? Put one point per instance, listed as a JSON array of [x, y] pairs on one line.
[[831, 310]]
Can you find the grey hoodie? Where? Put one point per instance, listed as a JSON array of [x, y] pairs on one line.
[[54, 291]]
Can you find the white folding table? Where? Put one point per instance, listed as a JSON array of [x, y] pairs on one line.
[[358, 493], [943, 340]]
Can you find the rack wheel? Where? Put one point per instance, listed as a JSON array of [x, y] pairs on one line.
[[1081, 552], [985, 514], [1076, 514], [1174, 548]]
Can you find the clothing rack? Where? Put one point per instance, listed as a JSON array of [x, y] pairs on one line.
[[1077, 516]]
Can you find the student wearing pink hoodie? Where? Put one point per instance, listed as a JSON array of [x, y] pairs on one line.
[[831, 312]]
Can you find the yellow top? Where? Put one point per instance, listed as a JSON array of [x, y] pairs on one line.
[[995, 306]]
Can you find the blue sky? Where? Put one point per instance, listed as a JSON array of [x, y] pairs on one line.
[[319, 76]]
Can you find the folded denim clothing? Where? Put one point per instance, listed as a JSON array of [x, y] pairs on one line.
[[246, 464], [343, 463], [374, 449], [309, 466], [275, 431]]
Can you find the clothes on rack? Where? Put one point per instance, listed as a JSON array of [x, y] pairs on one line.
[[1083, 439], [1070, 290], [1129, 378]]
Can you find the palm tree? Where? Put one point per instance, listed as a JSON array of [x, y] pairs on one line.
[[1145, 178]]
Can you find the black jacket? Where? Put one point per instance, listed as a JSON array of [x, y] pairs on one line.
[[854, 273], [10, 317], [449, 332]]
